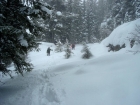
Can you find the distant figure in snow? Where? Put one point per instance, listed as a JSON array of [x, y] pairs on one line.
[[73, 46], [48, 51]]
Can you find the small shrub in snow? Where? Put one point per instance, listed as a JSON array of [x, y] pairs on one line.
[[67, 50], [135, 40], [136, 36], [87, 54], [115, 48], [59, 47]]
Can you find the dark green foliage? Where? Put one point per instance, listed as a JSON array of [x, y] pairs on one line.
[[68, 51], [82, 20], [136, 37], [115, 48], [87, 54], [15, 19]]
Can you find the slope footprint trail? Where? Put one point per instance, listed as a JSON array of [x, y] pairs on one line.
[[44, 93]]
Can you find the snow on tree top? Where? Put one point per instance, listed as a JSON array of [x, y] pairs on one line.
[[58, 13], [55, 20], [23, 42], [46, 10]]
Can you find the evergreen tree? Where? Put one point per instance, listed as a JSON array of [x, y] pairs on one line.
[[84, 30], [69, 20], [129, 10], [91, 20], [87, 54], [15, 20], [59, 46], [56, 23], [137, 8], [76, 22], [67, 50]]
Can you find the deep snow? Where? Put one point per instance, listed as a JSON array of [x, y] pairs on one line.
[[108, 78]]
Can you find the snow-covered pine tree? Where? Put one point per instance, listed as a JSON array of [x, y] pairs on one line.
[[135, 39], [87, 54], [15, 19], [59, 46], [92, 20], [67, 50], [137, 8]]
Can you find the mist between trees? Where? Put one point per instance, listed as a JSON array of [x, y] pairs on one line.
[[88, 20]]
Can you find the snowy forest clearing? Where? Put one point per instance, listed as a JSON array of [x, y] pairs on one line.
[[105, 79]]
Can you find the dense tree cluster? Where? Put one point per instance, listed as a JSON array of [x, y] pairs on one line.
[[19, 28], [89, 20]]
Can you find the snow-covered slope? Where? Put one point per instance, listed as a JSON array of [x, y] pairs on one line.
[[108, 78], [105, 79], [122, 33]]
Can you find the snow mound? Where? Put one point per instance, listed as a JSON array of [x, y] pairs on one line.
[[120, 35]]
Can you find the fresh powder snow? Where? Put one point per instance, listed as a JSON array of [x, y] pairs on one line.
[[121, 34], [108, 78]]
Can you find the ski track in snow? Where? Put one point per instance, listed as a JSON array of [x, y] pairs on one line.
[[106, 79], [48, 83], [36, 89]]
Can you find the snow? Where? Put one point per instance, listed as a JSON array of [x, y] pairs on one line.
[[46, 10], [23, 42], [55, 20], [59, 25], [58, 13], [36, 11], [108, 78], [1, 15], [103, 25], [120, 35]]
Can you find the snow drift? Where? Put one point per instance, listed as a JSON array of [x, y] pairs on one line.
[[122, 34]]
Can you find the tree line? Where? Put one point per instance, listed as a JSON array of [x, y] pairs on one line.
[[24, 22], [88, 20], [19, 28]]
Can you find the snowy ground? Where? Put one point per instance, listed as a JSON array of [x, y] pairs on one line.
[[108, 78], [105, 79]]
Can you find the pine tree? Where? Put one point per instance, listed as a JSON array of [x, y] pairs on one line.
[[91, 20], [16, 42], [129, 10], [67, 50], [87, 54], [84, 31], [136, 4], [76, 22], [59, 46], [56, 23]]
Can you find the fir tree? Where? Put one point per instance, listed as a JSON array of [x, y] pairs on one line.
[[67, 50], [16, 42], [59, 46], [91, 20], [87, 54]]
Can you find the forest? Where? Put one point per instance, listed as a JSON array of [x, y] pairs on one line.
[[88, 20], [102, 68], [25, 22]]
